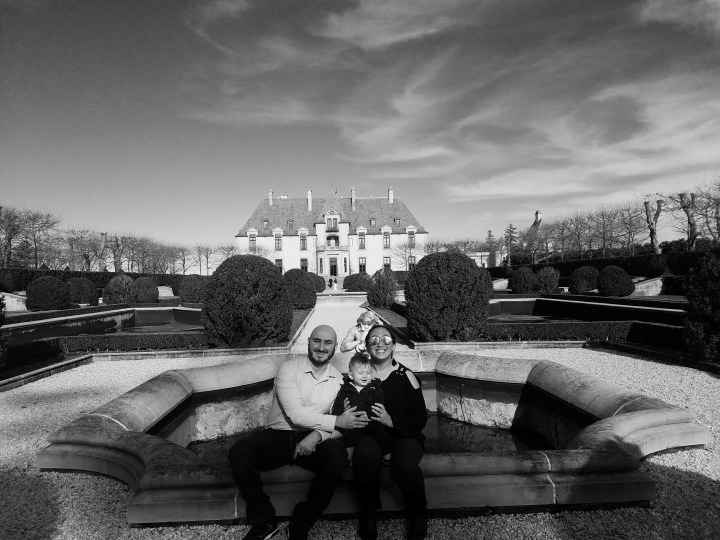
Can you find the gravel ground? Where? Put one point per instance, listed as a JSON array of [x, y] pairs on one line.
[[80, 506]]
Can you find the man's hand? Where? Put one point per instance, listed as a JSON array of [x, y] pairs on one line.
[[307, 445], [351, 419]]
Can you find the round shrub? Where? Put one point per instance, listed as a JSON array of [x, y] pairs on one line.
[[614, 281], [448, 298], [145, 291], [357, 282], [702, 323], [82, 291], [547, 280], [583, 279], [192, 289], [301, 288], [246, 303], [47, 293], [381, 291], [119, 290], [318, 281], [522, 280]]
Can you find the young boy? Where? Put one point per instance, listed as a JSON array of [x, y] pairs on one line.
[[362, 391]]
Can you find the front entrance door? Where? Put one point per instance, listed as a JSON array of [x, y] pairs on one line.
[[333, 266]]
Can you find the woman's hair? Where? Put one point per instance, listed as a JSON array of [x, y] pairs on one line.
[[367, 337], [368, 317]]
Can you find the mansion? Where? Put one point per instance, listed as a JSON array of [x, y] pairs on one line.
[[334, 236]]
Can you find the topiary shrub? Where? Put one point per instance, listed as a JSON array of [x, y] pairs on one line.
[[357, 282], [119, 290], [301, 288], [702, 323], [447, 297], [82, 291], [381, 291], [47, 293], [318, 281], [547, 280], [192, 289], [145, 291], [583, 279], [246, 303], [522, 280], [614, 281]]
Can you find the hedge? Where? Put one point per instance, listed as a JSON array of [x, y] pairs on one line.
[[17, 279], [557, 331], [27, 316]]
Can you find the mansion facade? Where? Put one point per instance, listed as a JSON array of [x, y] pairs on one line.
[[334, 236]]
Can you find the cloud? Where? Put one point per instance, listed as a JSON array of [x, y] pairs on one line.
[[694, 13]]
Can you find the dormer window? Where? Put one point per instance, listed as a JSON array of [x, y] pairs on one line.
[[290, 223], [373, 222], [332, 224], [397, 221], [265, 223]]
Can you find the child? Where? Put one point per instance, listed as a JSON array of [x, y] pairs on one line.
[[362, 391], [355, 339]]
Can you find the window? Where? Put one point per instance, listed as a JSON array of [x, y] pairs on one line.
[[253, 244], [386, 239], [332, 224], [411, 262], [321, 266], [362, 240], [345, 265], [373, 222], [397, 221], [411, 239], [303, 243], [278, 242], [303, 264], [290, 223], [361, 265], [265, 223], [386, 263], [278, 263]]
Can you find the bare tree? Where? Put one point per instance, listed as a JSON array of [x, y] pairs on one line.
[[11, 226], [708, 208], [682, 208], [204, 253], [511, 238], [651, 219], [227, 250], [434, 245], [603, 225], [406, 254], [579, 232], [630, 224], [37, 228]]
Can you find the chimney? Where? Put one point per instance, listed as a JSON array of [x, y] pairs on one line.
[[270, 197], [309, 200], [390, 195], [538, 216], [352, 198]]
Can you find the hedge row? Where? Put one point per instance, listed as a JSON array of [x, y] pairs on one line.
[[17, 279], [557, 331], [648, 265], [28, 316]]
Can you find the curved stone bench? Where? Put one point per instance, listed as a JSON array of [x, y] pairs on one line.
[[594, 464]]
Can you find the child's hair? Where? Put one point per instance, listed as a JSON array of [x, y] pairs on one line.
[[359, 360], [368, 318]]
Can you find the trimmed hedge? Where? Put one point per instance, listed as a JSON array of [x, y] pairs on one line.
[[82, 291], [119, 290], [192, 289], [522, 280], [18, 279], [318, 281], [47, 293], [447, 298], [702, 324], [557, 331], [381, 291], [614, 281], [359, 282], [583, 279], [145, 291], [546, 280], [247, 303], [301, 288]]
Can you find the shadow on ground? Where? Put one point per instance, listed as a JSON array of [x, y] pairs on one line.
[[29, 508]]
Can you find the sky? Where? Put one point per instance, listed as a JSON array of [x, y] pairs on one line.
[[172, 119]]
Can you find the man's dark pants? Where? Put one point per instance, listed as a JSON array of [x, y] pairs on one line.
[[272, 448]]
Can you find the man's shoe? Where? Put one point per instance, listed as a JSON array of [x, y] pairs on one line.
[[417, 527], [367, 525], [262, 531]]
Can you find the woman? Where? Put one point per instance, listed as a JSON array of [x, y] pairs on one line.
[[355, 339], [405, 416]]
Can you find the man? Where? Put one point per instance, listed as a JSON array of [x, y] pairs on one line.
[[297, 429]]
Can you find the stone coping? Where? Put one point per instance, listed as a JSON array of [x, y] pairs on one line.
[[174, 484]]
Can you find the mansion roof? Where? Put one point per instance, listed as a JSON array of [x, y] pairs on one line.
[[284, 210]]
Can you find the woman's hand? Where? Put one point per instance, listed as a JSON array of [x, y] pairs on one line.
[[307, 445], [381, 415]]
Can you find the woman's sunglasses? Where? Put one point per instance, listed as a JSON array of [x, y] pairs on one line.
[[386, 340]]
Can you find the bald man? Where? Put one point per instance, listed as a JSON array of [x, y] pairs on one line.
[[297, 430]]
